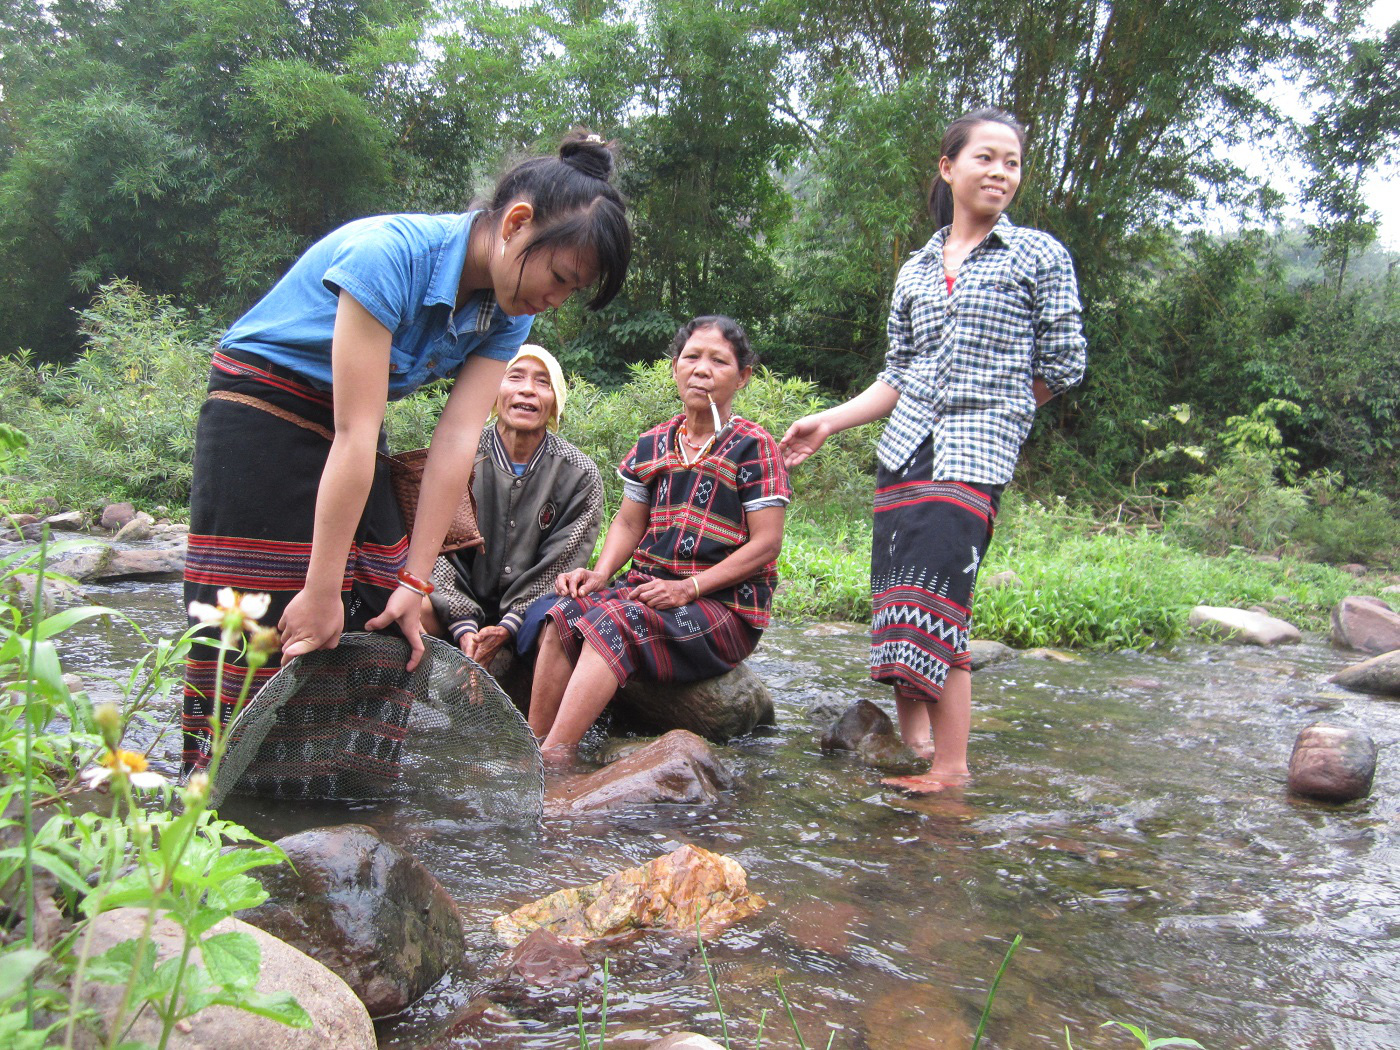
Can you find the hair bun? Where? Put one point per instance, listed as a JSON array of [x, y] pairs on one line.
[[589, 153]]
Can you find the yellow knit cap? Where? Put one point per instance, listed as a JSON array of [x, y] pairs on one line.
[[556, 378]]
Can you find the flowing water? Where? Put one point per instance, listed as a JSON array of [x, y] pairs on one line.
[[1128, 817]]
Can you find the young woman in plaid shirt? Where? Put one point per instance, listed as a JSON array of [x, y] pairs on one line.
[[984, 327]]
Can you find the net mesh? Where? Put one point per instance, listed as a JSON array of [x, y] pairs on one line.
[[351, 723]]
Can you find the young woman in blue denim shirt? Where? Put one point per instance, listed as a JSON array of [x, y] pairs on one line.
[[370, 313], [984, 327]]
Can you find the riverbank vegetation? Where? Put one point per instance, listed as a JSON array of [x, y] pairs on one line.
[[1248, 527]]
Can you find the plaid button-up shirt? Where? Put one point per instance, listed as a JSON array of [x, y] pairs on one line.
[[963, 362]]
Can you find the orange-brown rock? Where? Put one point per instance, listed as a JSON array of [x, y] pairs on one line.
[[680, 767], [664, 894]]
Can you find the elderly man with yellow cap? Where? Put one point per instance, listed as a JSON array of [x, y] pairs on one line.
[[539, 505]]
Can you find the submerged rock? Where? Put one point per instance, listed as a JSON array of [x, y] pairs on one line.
[[1332, 764], [338, 1018], [867, 731], [685, 1041], [679, 768], [664, 894], [366, 909], [543, 960], [859, 721], [1379, 675], [718, 709], [1242, 627], [1367, 624]]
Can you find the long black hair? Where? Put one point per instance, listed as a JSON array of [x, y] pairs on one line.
[[575, 206], [745, 356], [940, 198]]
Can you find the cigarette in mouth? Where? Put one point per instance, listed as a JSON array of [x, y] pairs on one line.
[[714, 412]]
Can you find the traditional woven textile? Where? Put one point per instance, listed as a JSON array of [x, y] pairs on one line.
[[351, 723]]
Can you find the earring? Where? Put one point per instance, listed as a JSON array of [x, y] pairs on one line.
[[503, 247]]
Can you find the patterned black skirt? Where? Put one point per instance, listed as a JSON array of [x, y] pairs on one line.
[[252, 511], [929, 541], [701, 639]]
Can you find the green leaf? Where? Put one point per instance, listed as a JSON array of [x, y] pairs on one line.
[[61, 621], [15, 968], [114, 966], [237, 893], [233, 959], [279, 1006]]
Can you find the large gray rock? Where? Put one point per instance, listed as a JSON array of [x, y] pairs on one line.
[[680, 767], [985, 652], [145, 561], [366, 909], [87, 562], [68, 521], [338, 1019], [1379, 675], [1332, 764], [718, 709], [138, 529], [1367, 624], [1242, 627]]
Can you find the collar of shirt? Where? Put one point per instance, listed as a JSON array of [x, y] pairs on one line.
[[1001, 233], [447, 275], [498, 453]]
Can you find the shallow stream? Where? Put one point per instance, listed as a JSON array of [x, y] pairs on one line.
[[1128, 817]]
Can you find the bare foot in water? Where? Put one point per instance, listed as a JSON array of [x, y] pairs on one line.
[[926, 783]]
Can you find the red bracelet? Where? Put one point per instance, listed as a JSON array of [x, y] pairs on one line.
[[413, 583]]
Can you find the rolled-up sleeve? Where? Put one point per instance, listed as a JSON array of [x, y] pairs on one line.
[[1059, 328]]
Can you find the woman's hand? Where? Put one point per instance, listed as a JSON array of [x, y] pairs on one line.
[[665, 594], [803, 438], [578, 582], [405, 607], [311, 622]]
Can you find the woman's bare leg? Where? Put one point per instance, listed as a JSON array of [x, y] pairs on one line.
[[950, 720], [913, 723], [590, 688]]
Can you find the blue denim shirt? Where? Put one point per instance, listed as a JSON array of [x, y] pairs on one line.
[[403, 269]]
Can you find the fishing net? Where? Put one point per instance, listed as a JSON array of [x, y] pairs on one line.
[[350, 723]]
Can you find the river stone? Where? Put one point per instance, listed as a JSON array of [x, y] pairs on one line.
[[68, 521], [365, 908], [680, 767], [985, 652], [663, 894], [999, 580], [137, 530], [338, 1019], [115, 515], [543, 960], [147, 561], [1379, 675], [835, 629], [1242, 627], [1391, 588], [87, 562], [1055, 656], [887, 752], [685, 1041], [718, 708], [860, 720], [1332, 764], [1366, 624]]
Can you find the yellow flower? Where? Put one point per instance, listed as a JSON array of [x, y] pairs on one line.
[[234, 612], [129, 764]]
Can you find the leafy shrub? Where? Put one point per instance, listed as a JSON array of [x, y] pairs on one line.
[[1350, 525], [1238, 505], [118, 423]]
